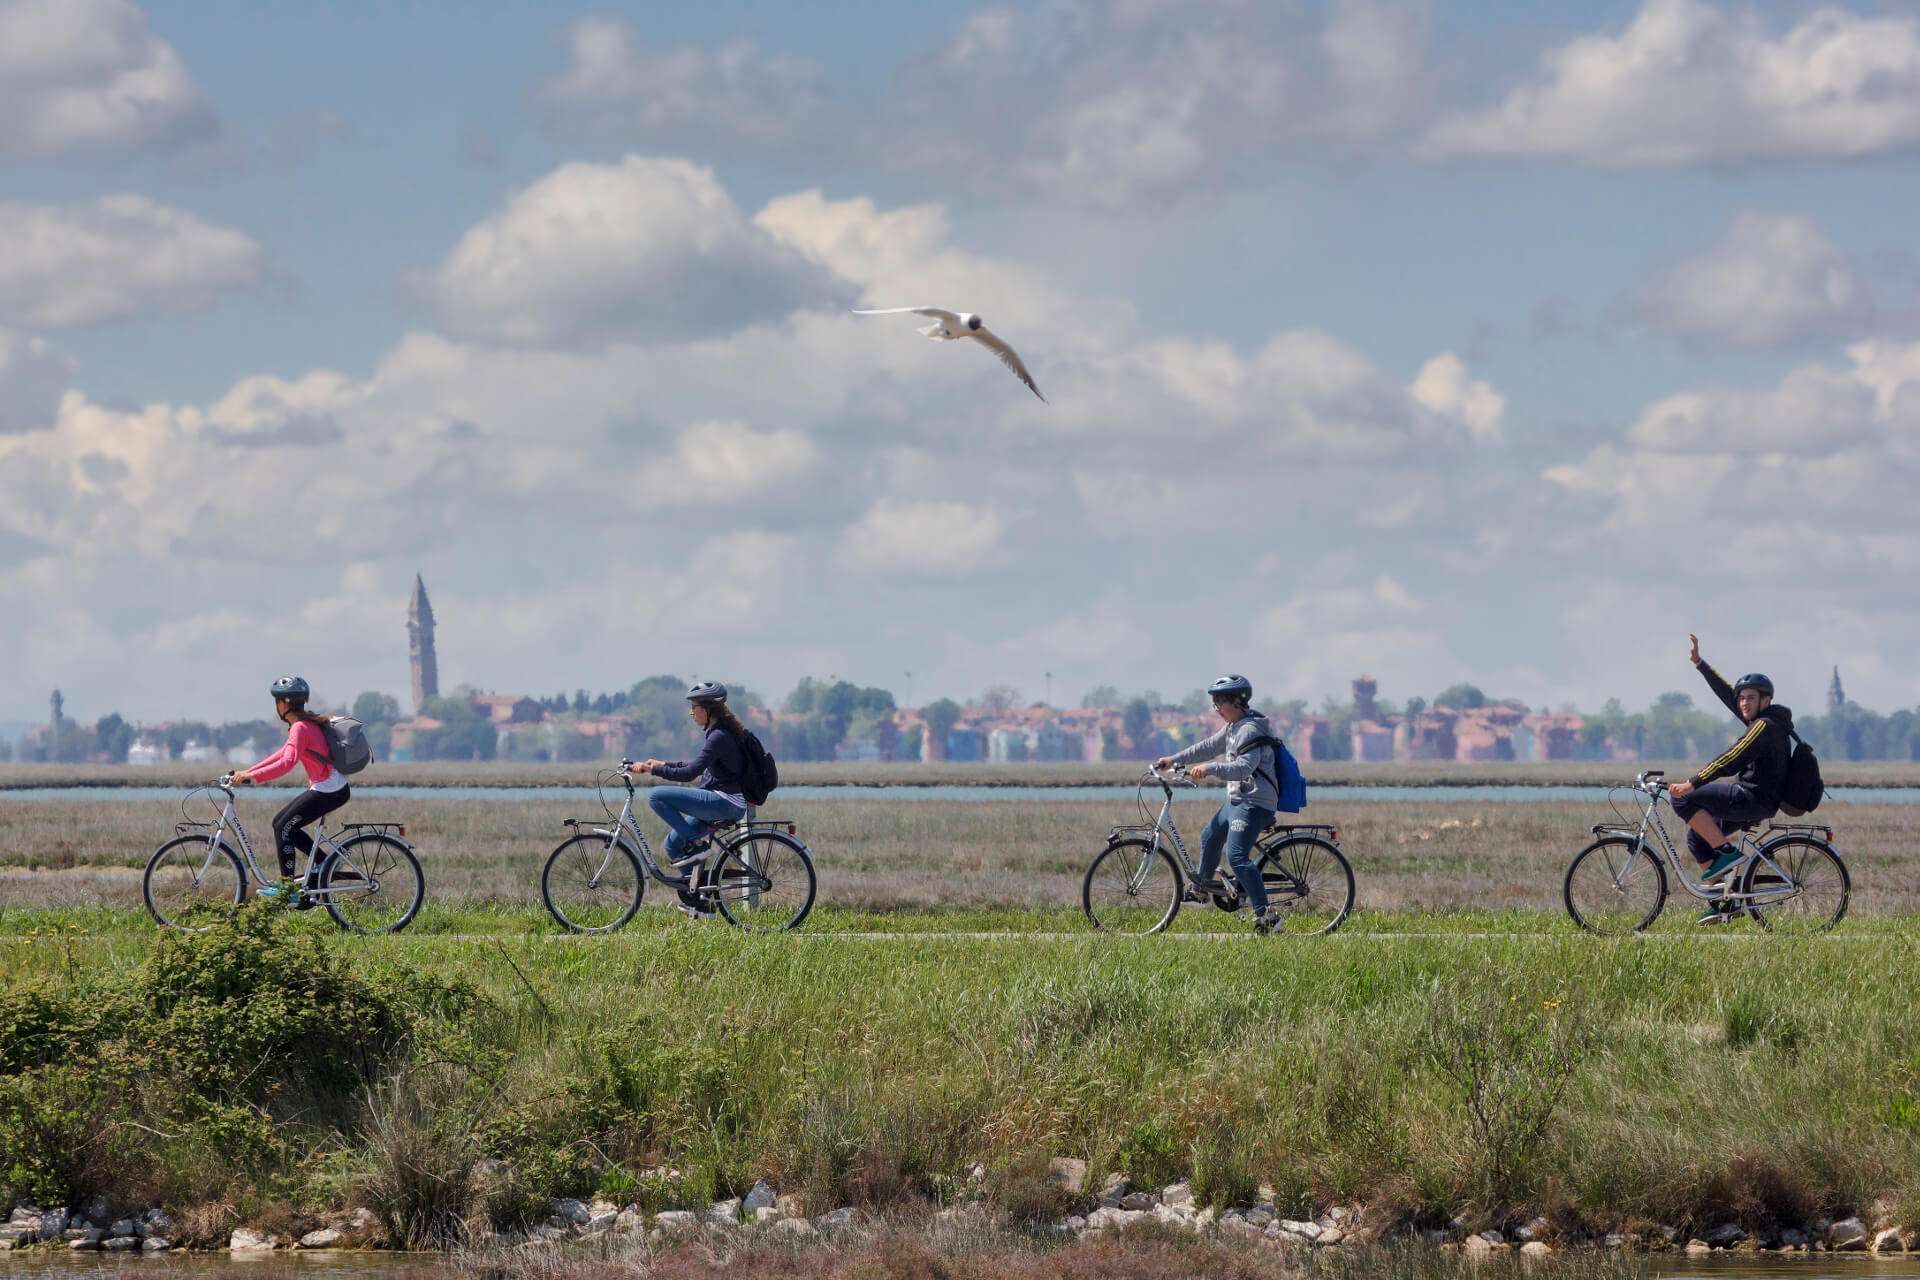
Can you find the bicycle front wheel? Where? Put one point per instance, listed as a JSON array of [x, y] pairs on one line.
[[1799, 886], [373, 884], [762, 882], [191, 884], [1309, 885], [1132, 887], [1615, 886], [592, 884]]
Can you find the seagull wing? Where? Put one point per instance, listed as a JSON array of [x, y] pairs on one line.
[[1008, 357], [951, 317]]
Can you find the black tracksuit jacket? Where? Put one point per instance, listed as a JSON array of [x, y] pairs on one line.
[[1758, 760]]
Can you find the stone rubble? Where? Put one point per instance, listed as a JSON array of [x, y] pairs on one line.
[[101, 1226]]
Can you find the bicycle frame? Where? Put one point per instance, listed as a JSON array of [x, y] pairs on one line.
[[626, 831], [1653, 786], [324, 847], [1165, 825], [1162, 826]]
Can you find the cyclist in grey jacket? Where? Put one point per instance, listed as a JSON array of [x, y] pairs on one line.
[[1252, 776]]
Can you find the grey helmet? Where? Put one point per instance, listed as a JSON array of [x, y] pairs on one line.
[[1754, 680], [1231, 687], [292, 688], [707, 691]]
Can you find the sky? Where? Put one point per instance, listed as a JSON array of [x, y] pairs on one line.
[[1505, 343]]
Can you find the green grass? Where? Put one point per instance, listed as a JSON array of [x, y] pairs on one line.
[[1608, 1083]]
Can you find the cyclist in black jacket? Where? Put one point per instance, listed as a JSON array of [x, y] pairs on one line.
[[1742, 784]]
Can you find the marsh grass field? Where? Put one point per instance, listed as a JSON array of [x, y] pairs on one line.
[[922, 857]]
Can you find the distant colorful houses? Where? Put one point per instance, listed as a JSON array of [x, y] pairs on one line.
[[524, 727]]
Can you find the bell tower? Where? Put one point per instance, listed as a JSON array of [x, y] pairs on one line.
[[426, 664]]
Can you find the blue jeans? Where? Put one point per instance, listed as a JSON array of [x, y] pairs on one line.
[[1234, 829], [688, 811]]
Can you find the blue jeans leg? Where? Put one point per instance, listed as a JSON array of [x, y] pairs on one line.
[[688, 812], [1232, 831]]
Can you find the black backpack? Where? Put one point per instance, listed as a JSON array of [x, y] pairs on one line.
[[1801, 790], [759, 776]]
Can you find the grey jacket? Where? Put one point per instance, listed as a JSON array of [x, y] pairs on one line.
[[1251, 775]]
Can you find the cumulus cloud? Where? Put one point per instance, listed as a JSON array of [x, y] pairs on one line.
[[882, 487], [88, 74], [1689, 83], [727, 461], [937, 537], [33, 375], [1118, 105], [615, 88], [115, 257], [647, 249], [1444, 387], [1815, 474], [1772, 280]]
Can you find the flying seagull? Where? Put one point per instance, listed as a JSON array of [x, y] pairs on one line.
[[963, 324]]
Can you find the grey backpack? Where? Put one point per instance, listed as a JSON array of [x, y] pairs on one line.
[[347, 744]]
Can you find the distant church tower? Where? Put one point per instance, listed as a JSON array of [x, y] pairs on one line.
[[426, 666], [1364, 691], [58, 703], [1836, 696]]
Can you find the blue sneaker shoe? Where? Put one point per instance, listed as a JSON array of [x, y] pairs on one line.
[[286, 893], [1724, 859]]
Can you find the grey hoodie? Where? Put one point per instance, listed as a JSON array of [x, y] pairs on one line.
[[1251, 774]]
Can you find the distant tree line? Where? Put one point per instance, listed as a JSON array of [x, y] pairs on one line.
[[823, 716]]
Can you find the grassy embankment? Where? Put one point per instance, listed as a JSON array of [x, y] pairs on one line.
[[1015, 862], [1888, 773], [1604, 1084]]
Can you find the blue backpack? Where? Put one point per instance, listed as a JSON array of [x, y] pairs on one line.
[[1290, 782]]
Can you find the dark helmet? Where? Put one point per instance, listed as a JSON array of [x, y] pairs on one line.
[[1754, 680], [707, 691], [1230, 687], [292, 688]]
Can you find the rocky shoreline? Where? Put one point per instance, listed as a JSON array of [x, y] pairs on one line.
[[1119, 1207]]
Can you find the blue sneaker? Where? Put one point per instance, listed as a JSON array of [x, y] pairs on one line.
[[286, 893], [1724, 859]]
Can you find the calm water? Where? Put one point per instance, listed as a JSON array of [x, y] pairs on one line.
[[986, 795]]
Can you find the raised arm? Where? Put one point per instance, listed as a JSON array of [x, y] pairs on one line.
[[1715, 681]]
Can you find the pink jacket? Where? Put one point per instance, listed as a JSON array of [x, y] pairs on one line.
[[305, 745]]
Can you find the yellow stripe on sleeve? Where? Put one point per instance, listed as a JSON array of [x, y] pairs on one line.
[[1733, 752]]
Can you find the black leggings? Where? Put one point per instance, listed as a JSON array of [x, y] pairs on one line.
[[299, 811]]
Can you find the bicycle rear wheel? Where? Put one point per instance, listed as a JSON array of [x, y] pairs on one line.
[[192, 884], [762, 882], [1309, 883], [1615, 886], [1132, 887], [1804, 890], [373, 884], [592, 884]]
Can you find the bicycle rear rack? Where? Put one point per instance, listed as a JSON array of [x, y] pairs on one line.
[[1825, 830], [384, 828]]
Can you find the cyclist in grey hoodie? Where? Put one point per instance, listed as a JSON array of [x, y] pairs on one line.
[[1253, 793]]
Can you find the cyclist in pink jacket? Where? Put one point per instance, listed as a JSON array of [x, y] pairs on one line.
[[326, 791]]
